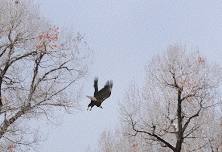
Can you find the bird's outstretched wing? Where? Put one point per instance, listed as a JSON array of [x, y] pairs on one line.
[[105, 92], [95, 85]]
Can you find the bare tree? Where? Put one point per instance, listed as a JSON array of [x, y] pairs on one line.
[[38, 65], [119, 141], [116, 142], [178, 103]]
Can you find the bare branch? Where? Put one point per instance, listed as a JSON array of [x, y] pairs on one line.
[[133, 124]]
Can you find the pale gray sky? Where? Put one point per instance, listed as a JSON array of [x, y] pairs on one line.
[[124, 35]]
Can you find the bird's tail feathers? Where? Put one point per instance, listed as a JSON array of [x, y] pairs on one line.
[[92, 98]]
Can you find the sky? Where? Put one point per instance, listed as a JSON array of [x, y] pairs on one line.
[[124, 35]]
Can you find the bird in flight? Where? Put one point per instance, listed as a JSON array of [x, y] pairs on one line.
[[101, 95]]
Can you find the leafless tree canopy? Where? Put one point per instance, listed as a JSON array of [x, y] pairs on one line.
[[38, 65], [177, 109]]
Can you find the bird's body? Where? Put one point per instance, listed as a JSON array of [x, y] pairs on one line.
[[101, 95]]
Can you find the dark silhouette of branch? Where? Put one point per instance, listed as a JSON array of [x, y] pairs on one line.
[[158, 138]]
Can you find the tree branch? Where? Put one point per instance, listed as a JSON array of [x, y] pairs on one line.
[[11, 120], [193, 116], [161, 140]]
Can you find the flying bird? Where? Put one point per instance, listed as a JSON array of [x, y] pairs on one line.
[[101, 95]]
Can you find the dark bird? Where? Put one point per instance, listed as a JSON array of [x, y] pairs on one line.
[[101, 95]]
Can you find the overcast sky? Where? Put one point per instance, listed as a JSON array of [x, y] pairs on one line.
[[124, 35]]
